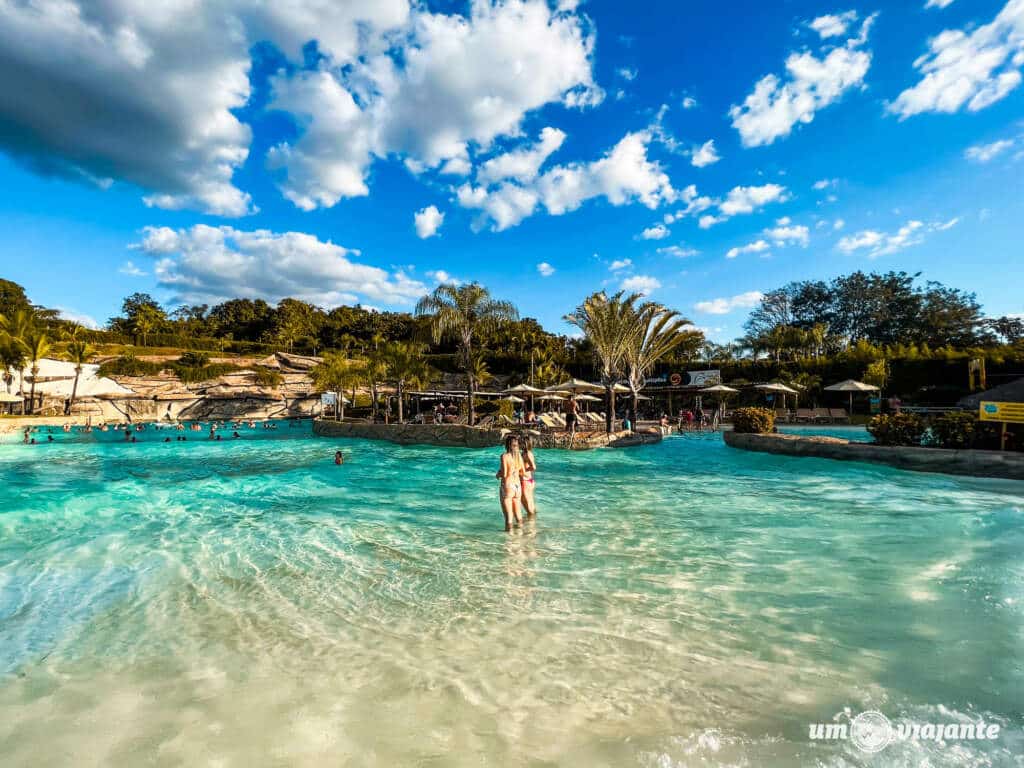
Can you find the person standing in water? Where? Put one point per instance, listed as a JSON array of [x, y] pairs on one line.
[[510, 475], [529, 467]]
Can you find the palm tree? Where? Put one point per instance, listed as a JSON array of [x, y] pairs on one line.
[[13, 329], [145, 322], [405, 364], [375, 370], [659, 331], [79, 353], [610, 326], [335, 374], [36, 346], [461, 312]]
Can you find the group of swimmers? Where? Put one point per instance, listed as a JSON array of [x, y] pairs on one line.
[[131, 430], [516, 481]]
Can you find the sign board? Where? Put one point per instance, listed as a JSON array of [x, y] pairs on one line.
[[702, 378], [328, 399], [1007, 412], [876, 403]]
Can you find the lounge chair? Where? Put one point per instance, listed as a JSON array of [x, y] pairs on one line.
[[822, 415], [487, 421], [548, 421], [804, 414], [559, 419], [839, 414]]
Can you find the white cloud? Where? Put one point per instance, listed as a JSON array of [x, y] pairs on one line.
[[642, 284], [724, 306], [705, 154], [695, 204], [129, 268], [777, 104], [786, 233], [678, 251], [938, 4], [545, 269], [974, 68], [623, 175], [838, 224], [689, 102], [454, 82], [521, 164], [427, 221], [145, 92], [833, 25], [620, 264], [825, 184], [758, 246], [882, 244], [748, 199], [657, 232], [626, 73], [440, 276], [982, 153], [204, 264]]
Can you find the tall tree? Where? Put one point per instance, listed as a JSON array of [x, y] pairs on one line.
[[78, 353], [405, 365], [610, 326], [36, 346], [659, 331], [462, 312], [336, 374]]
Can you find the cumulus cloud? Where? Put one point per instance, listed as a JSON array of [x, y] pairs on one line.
[[758, 246], [724, 306], [983, 153], [822, 184], [810, 84], [642, 284], [80, 318], [785, 232], [877, 243], [833, 25], [623, 175], [440, 276], [545, 269], [938, 4], [744, 200], [147, 93], [144, 92], [688, 102], [973, 68], [657, 232], [521, 164], [620, 264], [204, 264], [678, 251], [705, 154], [626, 73], [427, 221]]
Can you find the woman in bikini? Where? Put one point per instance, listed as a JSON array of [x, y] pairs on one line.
[[529, 467], [510, 490]]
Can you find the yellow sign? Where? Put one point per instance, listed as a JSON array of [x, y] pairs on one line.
[[1008, 412]]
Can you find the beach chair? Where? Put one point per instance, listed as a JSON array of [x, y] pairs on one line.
[[804, 414], [505, 421], [487, 421], [839, 414], [559, 420], [822, 415], [547, 420]]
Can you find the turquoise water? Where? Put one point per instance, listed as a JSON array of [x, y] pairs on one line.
[[853, 434], [247, 603]]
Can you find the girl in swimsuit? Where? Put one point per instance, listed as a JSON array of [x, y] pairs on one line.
[[529, 466], [510, 491]]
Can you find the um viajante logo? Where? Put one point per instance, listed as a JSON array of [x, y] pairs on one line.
[[871, 731]]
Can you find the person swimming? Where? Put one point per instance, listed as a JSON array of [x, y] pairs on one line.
[[510, 490], [339, 458]]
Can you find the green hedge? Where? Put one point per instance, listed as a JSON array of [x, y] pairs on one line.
[[753, 420], [897, 429]]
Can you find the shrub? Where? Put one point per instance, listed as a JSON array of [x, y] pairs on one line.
[[268, 377], [897, 429], [193, 375], [755, 420], [194, 359], [129, 365], [953, 430]]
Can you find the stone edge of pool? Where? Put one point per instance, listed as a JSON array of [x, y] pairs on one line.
[[997, 464], [462, 436]]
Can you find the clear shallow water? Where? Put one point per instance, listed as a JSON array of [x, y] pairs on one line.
[[853, 434], [248, 603]]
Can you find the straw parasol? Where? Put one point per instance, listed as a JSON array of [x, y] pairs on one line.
[[513, 399], [523, 389], [782, 389], [588, 398], [851, 386], [720, 388]]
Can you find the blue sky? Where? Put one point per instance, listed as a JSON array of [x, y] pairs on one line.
[[550, 149]]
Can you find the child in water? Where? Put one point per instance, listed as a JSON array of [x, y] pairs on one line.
[[339, 459]]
